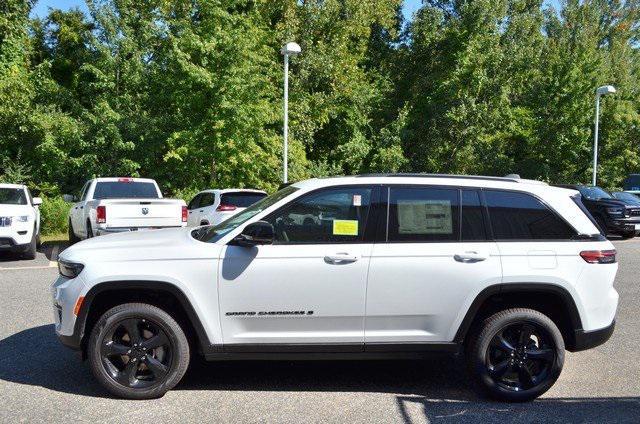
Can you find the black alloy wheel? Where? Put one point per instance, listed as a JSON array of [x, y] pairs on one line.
[[516, 354], [520, 356], [136, 353]]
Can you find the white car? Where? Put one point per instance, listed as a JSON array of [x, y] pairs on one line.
[[211, 207], [117, 204], [19, 220], [511, 272]]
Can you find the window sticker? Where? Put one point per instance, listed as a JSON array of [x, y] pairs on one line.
[[357, 200], [425, 217], [345, 227]]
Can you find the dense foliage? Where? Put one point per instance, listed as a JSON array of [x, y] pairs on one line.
[[190, 91]]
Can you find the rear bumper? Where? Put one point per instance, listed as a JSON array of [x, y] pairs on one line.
[[103, 231], [589, 339]]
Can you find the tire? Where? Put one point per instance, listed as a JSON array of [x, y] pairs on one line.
[[112, 361], [502, 370], [72, 235], [89, 230], [30, 253]]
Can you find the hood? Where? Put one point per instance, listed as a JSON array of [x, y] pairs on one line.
[[164, 244], [610, 202], [15, 210]]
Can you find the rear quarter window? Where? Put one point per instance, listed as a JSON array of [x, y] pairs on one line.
[[521, 216]]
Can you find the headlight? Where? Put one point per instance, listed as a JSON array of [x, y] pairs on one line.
[[69, 269], [615, 211], [23, 218]]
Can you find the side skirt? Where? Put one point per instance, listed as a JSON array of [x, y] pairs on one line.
[[331, 351]]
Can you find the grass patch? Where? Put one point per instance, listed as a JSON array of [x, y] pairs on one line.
[[55, 238]]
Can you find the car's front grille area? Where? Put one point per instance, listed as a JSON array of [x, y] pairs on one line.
[[634, 212], [5, 221], [6, 242]]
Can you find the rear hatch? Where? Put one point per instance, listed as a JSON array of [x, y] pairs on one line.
[[127, 213]]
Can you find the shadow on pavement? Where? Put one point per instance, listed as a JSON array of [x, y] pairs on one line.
[[433, 390]]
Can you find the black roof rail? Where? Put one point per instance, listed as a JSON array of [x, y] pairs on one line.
[[424, 175]]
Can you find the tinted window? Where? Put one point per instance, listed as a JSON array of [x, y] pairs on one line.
[[125, 190], [521, 216], [241, 199], [423, 214], [593, 193], [473, 222], [194, 202], [207, 199], [335, 215], [12, 196]]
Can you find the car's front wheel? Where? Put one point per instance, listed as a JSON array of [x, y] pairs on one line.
[[516, 355], [138, 351]]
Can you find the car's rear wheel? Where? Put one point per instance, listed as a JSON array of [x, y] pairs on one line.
[[137, 351], [89, 230], [516, 355]]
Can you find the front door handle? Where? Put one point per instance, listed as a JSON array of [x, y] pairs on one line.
[[340, 258], [469, 257]]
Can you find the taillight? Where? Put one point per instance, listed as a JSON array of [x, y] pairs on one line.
[[225, 208], [599, 256], [185, 214], [101, 214]]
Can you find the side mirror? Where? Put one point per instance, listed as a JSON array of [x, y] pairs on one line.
[[259, 232], [69, 198], [37, 201]]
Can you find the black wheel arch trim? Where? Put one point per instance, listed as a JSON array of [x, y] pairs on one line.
[[507, 288], [76, 340]]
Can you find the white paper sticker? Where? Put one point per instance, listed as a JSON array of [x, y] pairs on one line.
[[425, 217], [357, 200]]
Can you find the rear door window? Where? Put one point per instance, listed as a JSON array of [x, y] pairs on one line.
[[520, 216], [241, 199], [423, 214], [473, 217]]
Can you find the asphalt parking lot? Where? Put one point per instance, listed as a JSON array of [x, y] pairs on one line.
[[42, 381]]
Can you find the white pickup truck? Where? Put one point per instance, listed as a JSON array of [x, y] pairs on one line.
[[114, 205]]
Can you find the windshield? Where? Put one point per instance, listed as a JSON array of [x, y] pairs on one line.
[[594, 193], [211, 234], [12, 196], [125, 190], [627, 197]]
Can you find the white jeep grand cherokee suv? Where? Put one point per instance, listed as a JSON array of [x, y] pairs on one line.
[[19, 220], [507, 271]]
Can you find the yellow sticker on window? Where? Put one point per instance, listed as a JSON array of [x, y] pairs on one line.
[[345, 227]]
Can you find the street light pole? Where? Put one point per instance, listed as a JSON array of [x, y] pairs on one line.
[[288, 49], [601, 91]]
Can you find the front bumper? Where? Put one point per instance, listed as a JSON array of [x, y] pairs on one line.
[[65, 293], [17, 237], [589, 339], [623, 224]]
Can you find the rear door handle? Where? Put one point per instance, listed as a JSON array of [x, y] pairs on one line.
[[340, 258], [469, 257]]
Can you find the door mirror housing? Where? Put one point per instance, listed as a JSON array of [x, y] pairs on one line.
[[256, 233], [36, 201], [69, 198]]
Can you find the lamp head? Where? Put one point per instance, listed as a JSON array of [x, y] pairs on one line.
[[291, 48], [605, 89]]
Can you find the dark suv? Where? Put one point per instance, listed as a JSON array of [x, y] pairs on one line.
[[614, 216]]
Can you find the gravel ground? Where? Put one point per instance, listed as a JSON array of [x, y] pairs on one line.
[[42, 381]]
